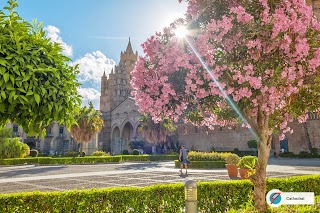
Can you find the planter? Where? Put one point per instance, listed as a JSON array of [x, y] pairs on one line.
[[244, 173], [232, 170]]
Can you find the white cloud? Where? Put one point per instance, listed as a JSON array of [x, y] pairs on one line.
[[90, 94], [92, 66], [53, 33]]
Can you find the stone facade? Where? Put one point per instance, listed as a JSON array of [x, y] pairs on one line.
[[121, 118]]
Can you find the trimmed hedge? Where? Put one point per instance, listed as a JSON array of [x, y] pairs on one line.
[[148, 157], [86, 160], [218, 196], [207, 156], [300, 155], [284, 208], [203, 164], [65, 160]]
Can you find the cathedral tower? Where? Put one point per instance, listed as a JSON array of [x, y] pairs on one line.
[[114, 90]]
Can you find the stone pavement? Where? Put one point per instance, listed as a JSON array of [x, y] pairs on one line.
[[68, 177]]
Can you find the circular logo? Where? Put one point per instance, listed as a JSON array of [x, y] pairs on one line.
[[273, 198]]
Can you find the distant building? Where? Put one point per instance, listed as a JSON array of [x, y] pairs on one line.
[[120, 115], [58, 140]]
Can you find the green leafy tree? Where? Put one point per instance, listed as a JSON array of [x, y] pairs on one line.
[[88, 125], [37, 86]]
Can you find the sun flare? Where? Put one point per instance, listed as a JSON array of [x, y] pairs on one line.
[[181, 32]]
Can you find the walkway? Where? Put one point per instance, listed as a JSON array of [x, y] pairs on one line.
[[68, 177]]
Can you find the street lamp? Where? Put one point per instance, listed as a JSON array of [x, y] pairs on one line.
[[191, 196]]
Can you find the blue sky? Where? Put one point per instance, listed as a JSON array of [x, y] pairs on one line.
[[94, 32]]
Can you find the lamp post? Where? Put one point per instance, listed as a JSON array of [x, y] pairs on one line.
[[191, 196]]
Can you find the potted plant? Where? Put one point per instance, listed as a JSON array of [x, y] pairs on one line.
[[247, 165], [232, 161]]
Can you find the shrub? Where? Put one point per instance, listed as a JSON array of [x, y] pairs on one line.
[[203, 164], [217, 196], [100, 153], [248, 162], [207, 156], [253, 144], [72, 154], [304, 154], [34, 153], [232, 159], [125, 152], [13, 148], [288, 154], [82, 154], [135, 152]]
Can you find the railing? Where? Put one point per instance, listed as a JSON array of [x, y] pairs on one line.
[[49, 135], [61, 135]]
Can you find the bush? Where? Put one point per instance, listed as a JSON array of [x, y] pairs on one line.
[[207, 156], [149, 157], [304, 154], [125, 152], [82, 154], [248, 162], [287, 154], [13, 148], [232, 159], [135, 152], [217, 196], [64, 160], [203, 164], [253, 144], [34, 153], [72, 154], [100, 153]]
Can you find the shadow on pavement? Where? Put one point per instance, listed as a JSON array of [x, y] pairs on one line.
[[138, 166], [313, 162], [28, 171]]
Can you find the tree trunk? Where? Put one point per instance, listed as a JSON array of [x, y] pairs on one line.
[[306, 131], [259, 178], [80, 149]]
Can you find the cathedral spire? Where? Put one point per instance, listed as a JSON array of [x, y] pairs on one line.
[[104, 73], [129, 47], [112, 71]]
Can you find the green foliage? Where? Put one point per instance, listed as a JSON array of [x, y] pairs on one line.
[[232, 159], [72, 154], [149, 157], [203, 164], [217, 196], [248, 162], [136, 144], [207, 156], [65, 160], [88, 124], [135, 152], [35, 78], [13, 148], [100, 153], [253, 144], [125, 152], [33, 153], [282, 209]]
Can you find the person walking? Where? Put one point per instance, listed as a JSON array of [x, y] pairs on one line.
[[183, 158]]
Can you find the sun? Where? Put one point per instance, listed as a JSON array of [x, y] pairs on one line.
[[181, 31]]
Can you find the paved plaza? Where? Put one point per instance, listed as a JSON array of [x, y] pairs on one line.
[[67, 177]]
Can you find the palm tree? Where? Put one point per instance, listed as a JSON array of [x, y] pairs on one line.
[[88, 125], [155, 132]]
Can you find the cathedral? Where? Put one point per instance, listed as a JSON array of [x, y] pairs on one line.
[[120, 115]]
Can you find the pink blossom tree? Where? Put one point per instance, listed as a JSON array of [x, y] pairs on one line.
[[261, 56]]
